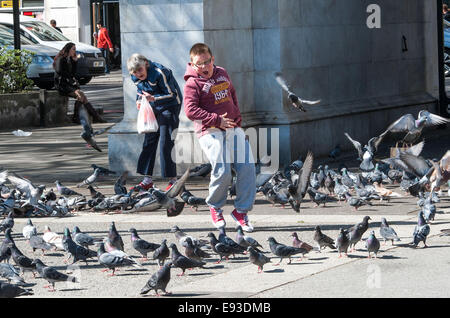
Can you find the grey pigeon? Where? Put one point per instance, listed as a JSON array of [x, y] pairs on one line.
[[356, 202], [245, 240], [37, 243], [24, 263], [142, 246], [283, 251], [317, 197], [11, 291], [223, 238], [421, 231], [76, 251], [88, 133], [257, 258], [342, 242], [296, 242], [29, 230], [119, 186], [158, 280], [103, 171], [181, 237], [9, 272], [82, 239], [5, 249], [372, 244], [90, 180], [202, 170], [322, 240], [387, 232], [31, 192], [8, 222], [298, 190], [161, 253], [366, 153], [111, 261], [63, 190], [183, 262], [94, 193], [223, 250], [114, 237], [295, 100], [51, 275], [192, 200], [356, 232], [195, 252]]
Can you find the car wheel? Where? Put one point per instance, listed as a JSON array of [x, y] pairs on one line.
[[85, 80], [47, 85]]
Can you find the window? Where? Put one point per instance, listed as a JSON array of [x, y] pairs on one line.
[[43, 31]]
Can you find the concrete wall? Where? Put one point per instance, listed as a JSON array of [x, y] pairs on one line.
[[324, 49]]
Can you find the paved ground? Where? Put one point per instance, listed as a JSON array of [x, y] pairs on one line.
[[58, 153]]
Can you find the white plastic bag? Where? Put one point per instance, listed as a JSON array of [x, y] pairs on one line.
[[146, 121]]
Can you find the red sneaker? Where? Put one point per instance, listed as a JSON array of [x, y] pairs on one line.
[[169, 185], [242, 220], [143, 186], [217, 217]]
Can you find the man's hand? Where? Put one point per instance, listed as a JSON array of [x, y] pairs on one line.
[[111, 49], [226, 122]]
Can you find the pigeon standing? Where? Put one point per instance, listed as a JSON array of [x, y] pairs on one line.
[[50, 274], [12, 290], [356, 232], [90, 180], [63, 190], [5, 250], [296, 242], [223, 238], [29, 230], [112, 261], [82, 239], [11, 274], [142, 246], [53, 238], [192, 200], [283, 251], [183, 262], [161, 253], [372, 244], [322, 239], [195, 252], [8, 222], [257, 258], [219, 248], [181, 237], [387, 232], [421, 231], [245, 240], [76, 251], [38, 243], [114, 237], [342, 242], [158, 280], [24, 263]]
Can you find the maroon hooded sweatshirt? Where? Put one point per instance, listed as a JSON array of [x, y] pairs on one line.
[[205, 99]]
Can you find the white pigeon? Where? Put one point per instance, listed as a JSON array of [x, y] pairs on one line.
[[29, 230], [53, 238]]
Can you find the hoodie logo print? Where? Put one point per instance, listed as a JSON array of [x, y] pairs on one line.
[[220, 92]]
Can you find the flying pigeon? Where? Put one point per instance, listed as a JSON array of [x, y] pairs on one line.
[[119, 186], [88, 133], [295, 100], [158, 280], [90, 180]]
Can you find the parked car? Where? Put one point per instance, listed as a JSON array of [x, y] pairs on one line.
[[90, 60], [41, 68]]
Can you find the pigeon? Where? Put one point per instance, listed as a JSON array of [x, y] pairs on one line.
[[329, 183], [372, 244], [295, 100], [356, 202], [51, 275], [112, 261], [387, 232], [317, 197], [88, 133], [161, 253], [181, 237], [90, 180], [223, 250], [119, 186], [11, 274], [142, 246], [245, 240], [76, 251], [202, 170], [223, 238], [421, 231], [342, 242], [7, 222], [182, 261], [12, 290], [158, 280], [296, 242], [412, 127], [366, 153], [24, 263], [53, 238], [298, 191], [5, 250], [339, 189], [63, 190], [33, 193], [257, 258], [194, 252], [356, 232], [95, 194], [103, 171], [283, 251], [38, 243], [192, 200], [322, 239], [82, 239], [29, 230], [114, 237], [385, 193]]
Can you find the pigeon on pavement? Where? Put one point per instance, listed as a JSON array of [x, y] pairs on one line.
[[356, 232], [257, 258], [76, 251], [112, 261], [387, 232], [296, 242], [29, 230], [24, 263], [50, 274], [142, 246], [245, 240], [82, 239], [114, 237], [322, 239], [12, 290], [342, 242], [90, 180], [421, 231], [183, 262], [161, 253], [223, 238], [8, 222], [158, 280], [194, 252], [37, 243], [63, 190], [283, 251], [223, 250], [9, 272], [372, 244]]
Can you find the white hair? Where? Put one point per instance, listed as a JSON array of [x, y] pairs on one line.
[[135, 62]]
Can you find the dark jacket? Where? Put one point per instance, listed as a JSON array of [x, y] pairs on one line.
[[65, 70], [161, 83]]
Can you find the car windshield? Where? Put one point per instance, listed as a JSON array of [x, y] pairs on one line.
[[7, 37], [43, 31]]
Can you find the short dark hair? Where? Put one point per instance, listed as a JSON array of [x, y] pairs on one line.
[[199, 48], [99, 22], [53, 21], [445, 7]]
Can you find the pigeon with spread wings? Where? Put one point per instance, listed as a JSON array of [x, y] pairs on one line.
[[297, 102]]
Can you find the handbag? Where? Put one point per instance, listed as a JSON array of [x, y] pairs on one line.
[[146, 121]]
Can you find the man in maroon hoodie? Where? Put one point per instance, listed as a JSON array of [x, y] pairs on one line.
[[210, 101]]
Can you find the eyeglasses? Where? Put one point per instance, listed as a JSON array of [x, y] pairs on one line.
[[205, 63]]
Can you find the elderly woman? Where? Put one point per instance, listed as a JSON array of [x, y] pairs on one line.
[[65, 65], [157, 84]]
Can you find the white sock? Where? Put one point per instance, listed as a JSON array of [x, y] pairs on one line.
[[147, 180]]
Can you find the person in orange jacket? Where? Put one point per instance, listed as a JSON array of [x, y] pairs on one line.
[[104, 43]]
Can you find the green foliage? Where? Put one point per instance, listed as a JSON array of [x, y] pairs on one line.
[[13, 70]]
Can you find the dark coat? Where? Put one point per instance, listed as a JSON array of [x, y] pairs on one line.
[[65, 80]]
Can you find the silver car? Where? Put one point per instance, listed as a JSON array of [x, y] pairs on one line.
[[41, 69]]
